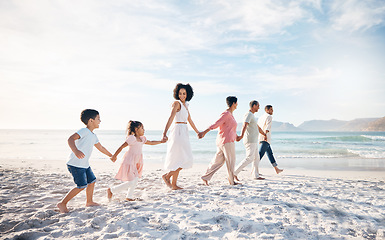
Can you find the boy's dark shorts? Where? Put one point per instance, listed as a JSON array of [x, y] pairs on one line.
[[82, 176]]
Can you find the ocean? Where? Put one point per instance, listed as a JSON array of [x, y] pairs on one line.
[[306, 150]]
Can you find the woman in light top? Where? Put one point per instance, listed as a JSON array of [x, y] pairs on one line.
[[179, 154]]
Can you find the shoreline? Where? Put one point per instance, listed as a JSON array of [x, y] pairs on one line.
[[105, 167]]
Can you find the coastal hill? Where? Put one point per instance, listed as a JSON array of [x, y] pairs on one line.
[[357, 125], [284, 127], [360, 124], [377, 125]]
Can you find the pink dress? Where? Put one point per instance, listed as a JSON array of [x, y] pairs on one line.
[[132, 164]]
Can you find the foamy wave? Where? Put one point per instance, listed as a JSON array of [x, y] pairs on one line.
[[368, 153], [360, 138], [307, 156], [376, 138]]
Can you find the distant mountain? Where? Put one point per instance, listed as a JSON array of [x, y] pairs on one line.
[[322, 125], [377, 125], [361, 124], [284, 127], [356, 125]]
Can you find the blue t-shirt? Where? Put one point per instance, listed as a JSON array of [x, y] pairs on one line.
[[85, 144]]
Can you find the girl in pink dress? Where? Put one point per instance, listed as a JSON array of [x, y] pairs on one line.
[[132, 165]]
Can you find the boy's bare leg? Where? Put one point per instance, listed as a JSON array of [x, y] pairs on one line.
[[175, 179], [90, 193], [62, 205]]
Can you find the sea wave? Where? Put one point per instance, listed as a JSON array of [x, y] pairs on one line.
[[370, 153], [361, 138], [307, 156], [376, 138]]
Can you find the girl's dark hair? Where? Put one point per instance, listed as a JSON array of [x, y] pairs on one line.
[[132, 125], [187, 87], [87, 114], [230, 100]]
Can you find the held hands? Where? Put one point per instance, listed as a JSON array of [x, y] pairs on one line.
[[113, 158], [239, 138], [164, 139], [201, 135]]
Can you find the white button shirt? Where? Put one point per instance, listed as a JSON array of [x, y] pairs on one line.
[[264, 122]]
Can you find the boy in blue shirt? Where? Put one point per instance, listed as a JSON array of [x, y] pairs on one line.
[[81, 144]]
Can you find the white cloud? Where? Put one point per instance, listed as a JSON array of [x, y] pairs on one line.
[[215, 87], [230, 20], [356, 15], [123, 50], [294, 80]]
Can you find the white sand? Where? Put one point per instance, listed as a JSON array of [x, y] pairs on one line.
[[298, 204]]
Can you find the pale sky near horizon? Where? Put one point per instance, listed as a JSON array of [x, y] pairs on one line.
[[309, 59]]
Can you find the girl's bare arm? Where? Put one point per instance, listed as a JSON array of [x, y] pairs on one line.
[[113, 158]]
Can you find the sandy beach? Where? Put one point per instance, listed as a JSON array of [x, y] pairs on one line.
[[297, 204]]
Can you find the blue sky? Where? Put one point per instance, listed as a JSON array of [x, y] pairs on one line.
[[309, 59]]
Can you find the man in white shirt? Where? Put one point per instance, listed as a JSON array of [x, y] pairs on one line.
[[264, 122], [250, 129]]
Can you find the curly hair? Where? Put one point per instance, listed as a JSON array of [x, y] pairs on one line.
[[132, 125], [187, 87]]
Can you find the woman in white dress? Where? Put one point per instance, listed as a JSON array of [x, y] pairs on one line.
[[179, 154]]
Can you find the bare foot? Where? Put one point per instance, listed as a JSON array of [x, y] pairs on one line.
[[259, 178], [176, 188], [278, 171], [166, 180], [235, 183], [92, 204], [205, 182], [62, 207], [109, 193], [130, 199], [236, 178]]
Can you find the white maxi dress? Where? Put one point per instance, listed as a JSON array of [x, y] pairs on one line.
[[179, 154]]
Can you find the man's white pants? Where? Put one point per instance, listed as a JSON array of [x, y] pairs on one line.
[[252, 156]]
